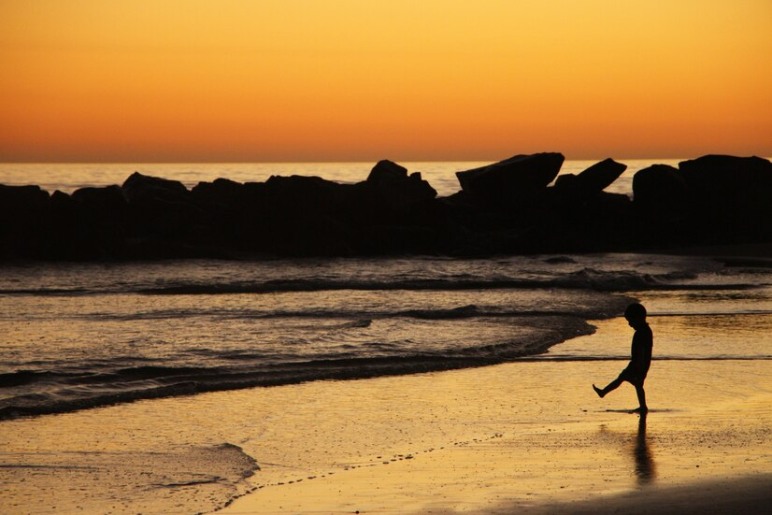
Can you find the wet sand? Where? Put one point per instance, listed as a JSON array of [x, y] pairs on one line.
[[533, 437], [526, 437], [530, 450]]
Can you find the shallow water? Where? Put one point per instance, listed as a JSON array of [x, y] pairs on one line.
[[84, 335]]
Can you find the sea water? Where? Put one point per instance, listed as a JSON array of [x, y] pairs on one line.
[[76, 336]]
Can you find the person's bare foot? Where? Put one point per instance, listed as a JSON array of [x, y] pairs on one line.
[[598, 391]]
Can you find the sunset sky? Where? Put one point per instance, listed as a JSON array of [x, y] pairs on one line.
[[322, 80]]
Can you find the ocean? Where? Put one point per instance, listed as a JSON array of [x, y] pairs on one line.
[[78, 336]]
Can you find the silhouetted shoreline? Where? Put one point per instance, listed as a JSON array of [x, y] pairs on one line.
[[511, 207]]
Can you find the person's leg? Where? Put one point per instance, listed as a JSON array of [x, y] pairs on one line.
[[613, 385], [641, 397]]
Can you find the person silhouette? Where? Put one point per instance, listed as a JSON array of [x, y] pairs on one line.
[[640, 357]]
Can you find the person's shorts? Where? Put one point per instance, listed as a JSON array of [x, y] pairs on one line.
[[633, 376]]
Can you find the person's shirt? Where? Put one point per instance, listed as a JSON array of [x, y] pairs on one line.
[[640, 352]]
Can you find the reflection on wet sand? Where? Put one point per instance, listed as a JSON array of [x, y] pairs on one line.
[[645, 470]]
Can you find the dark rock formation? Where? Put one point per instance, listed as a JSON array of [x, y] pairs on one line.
[[591, 181], [730, 197], [396, 189], [504, 208], [161, 214], [23, 216], [660, 191], [514, 182]]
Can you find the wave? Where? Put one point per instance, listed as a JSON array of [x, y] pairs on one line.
[[343, 318], [585, 279], [30, 393]]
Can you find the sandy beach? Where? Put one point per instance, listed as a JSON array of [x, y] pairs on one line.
[[527, 437], [531, 438]]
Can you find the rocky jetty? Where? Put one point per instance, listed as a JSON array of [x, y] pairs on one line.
[[513, 206]]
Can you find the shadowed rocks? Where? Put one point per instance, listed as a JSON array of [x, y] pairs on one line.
[[507, 207], [590, 182], [521, 179], [729, 197]]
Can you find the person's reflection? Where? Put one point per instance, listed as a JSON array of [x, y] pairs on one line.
[[644, 464]]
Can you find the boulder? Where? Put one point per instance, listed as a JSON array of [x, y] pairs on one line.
[[65, 238], [23, 217], [220, 193], [159, 207], [591, 181], [102, 219], [303, 195], [108, 202], [717, 172], [386, 171], [519, 179], [139, 187], [22, 199], [731, 196], [661, 202], [659, 190], [396, 192]]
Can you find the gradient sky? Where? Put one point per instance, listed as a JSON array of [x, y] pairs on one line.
[[316, 80]]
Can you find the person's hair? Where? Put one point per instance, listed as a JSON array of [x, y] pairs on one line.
[[635, 310]]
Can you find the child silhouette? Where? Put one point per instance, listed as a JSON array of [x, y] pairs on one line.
[[640, 357]]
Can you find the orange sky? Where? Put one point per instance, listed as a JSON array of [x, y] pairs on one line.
[[316, 80]]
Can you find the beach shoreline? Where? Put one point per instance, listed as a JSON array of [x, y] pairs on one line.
[[528, 435], [567, 458]]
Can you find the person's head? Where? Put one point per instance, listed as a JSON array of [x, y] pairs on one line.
[[635, 314]]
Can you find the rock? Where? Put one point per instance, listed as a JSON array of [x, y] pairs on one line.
[[591, 181], [142, 187], [160, 208], [601, 222], [102, 220], [519, 179], [106, 203], [399, 239], [601, 175], [661, 201], [22, 198], [303, 195], [503, 208], [659, 191], [23, 216], [220, 194], [299, 216], [386, 171], [394, 190], [720, 171], [64, 239], [731, 197]]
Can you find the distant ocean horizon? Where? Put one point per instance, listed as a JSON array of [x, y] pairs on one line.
[[68, 177]]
